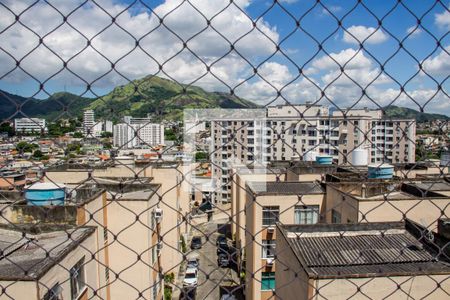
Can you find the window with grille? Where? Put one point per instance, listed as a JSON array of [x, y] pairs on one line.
[[77, 279], [267, 281], [270, 215], [268, 248], [306, 214]]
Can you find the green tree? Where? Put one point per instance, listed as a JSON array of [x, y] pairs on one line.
[[7, 128], [200, 155], [78, 135], [23, 147], [106, 134], [170, 134], [38, 154]]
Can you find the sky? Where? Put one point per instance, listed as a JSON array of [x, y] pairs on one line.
[[335, 53]]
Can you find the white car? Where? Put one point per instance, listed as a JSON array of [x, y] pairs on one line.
[[190, 278]]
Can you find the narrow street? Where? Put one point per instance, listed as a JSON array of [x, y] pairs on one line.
[[213, 281]]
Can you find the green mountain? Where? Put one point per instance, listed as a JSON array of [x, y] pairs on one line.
[[50, 108], [162, 98], [393, 111]]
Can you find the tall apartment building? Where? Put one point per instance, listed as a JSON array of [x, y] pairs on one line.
[[294, 131], [92, 128], [137, 132], [29, 125], [88, 122]]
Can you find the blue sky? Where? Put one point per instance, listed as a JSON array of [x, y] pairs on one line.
[[279, 72]]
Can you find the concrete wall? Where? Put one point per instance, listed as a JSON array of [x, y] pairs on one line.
[[60, 272], [19, 290], [254, 263], [419, 287], [292, 282], [425, 211], [174, 201], [130, 250]]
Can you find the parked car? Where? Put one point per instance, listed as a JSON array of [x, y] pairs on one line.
[[190, 278], [223, 260], [192, 263], [196, 242], [228, 297], [221, 239], [223, 248]]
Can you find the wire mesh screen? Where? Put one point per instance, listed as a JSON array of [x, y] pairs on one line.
[[176, 149]]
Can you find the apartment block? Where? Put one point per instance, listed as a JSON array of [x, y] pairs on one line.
[[120, 209], [388, 260], [48, 262], [29, 125], [266, 204], [306, 131], [137, 133]]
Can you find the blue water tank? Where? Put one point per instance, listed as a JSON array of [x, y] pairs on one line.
[[324, 159], [42, 194], [383, 171]]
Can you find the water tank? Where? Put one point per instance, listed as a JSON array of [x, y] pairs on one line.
[[383, 171], [47, 193], [324, 159], [445, 159], [310, 156], [360, 157]]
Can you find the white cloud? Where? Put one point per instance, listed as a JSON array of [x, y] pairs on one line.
[[438, 65], [414, 31], [368, 35], [348, 58], [443, 19], [161, 45]]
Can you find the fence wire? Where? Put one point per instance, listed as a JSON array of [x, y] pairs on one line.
[[224, 149]]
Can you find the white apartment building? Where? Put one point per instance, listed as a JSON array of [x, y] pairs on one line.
[[137, 133], [295, 131], [88, 123], [92, 128], [29, 125]]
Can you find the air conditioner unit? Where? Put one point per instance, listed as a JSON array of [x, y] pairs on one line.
[[270, 229], [158, 214], [269, 262]]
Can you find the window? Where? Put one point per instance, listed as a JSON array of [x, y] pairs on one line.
[[268, 249], [270, 215], [268, 281], [54, 293], [335, 216], [306, 214], [77, 281]]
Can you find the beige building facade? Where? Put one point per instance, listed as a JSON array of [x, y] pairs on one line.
[[266, 204]]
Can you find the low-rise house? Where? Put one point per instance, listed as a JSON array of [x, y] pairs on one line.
[[48, 262], [391, 200], [390, 260]]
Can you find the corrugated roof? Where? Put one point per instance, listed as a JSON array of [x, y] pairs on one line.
[[360, 250]]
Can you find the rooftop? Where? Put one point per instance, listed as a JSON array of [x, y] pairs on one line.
[[285, 188], [29, 256], [363, 250]]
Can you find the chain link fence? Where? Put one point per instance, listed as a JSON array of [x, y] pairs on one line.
[[224, 149]]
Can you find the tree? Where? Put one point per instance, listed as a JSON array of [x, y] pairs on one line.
[[106, 134], [78, 135], [23, 147], [38, 154], [7, 128], [200, 155], [170, 134]]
